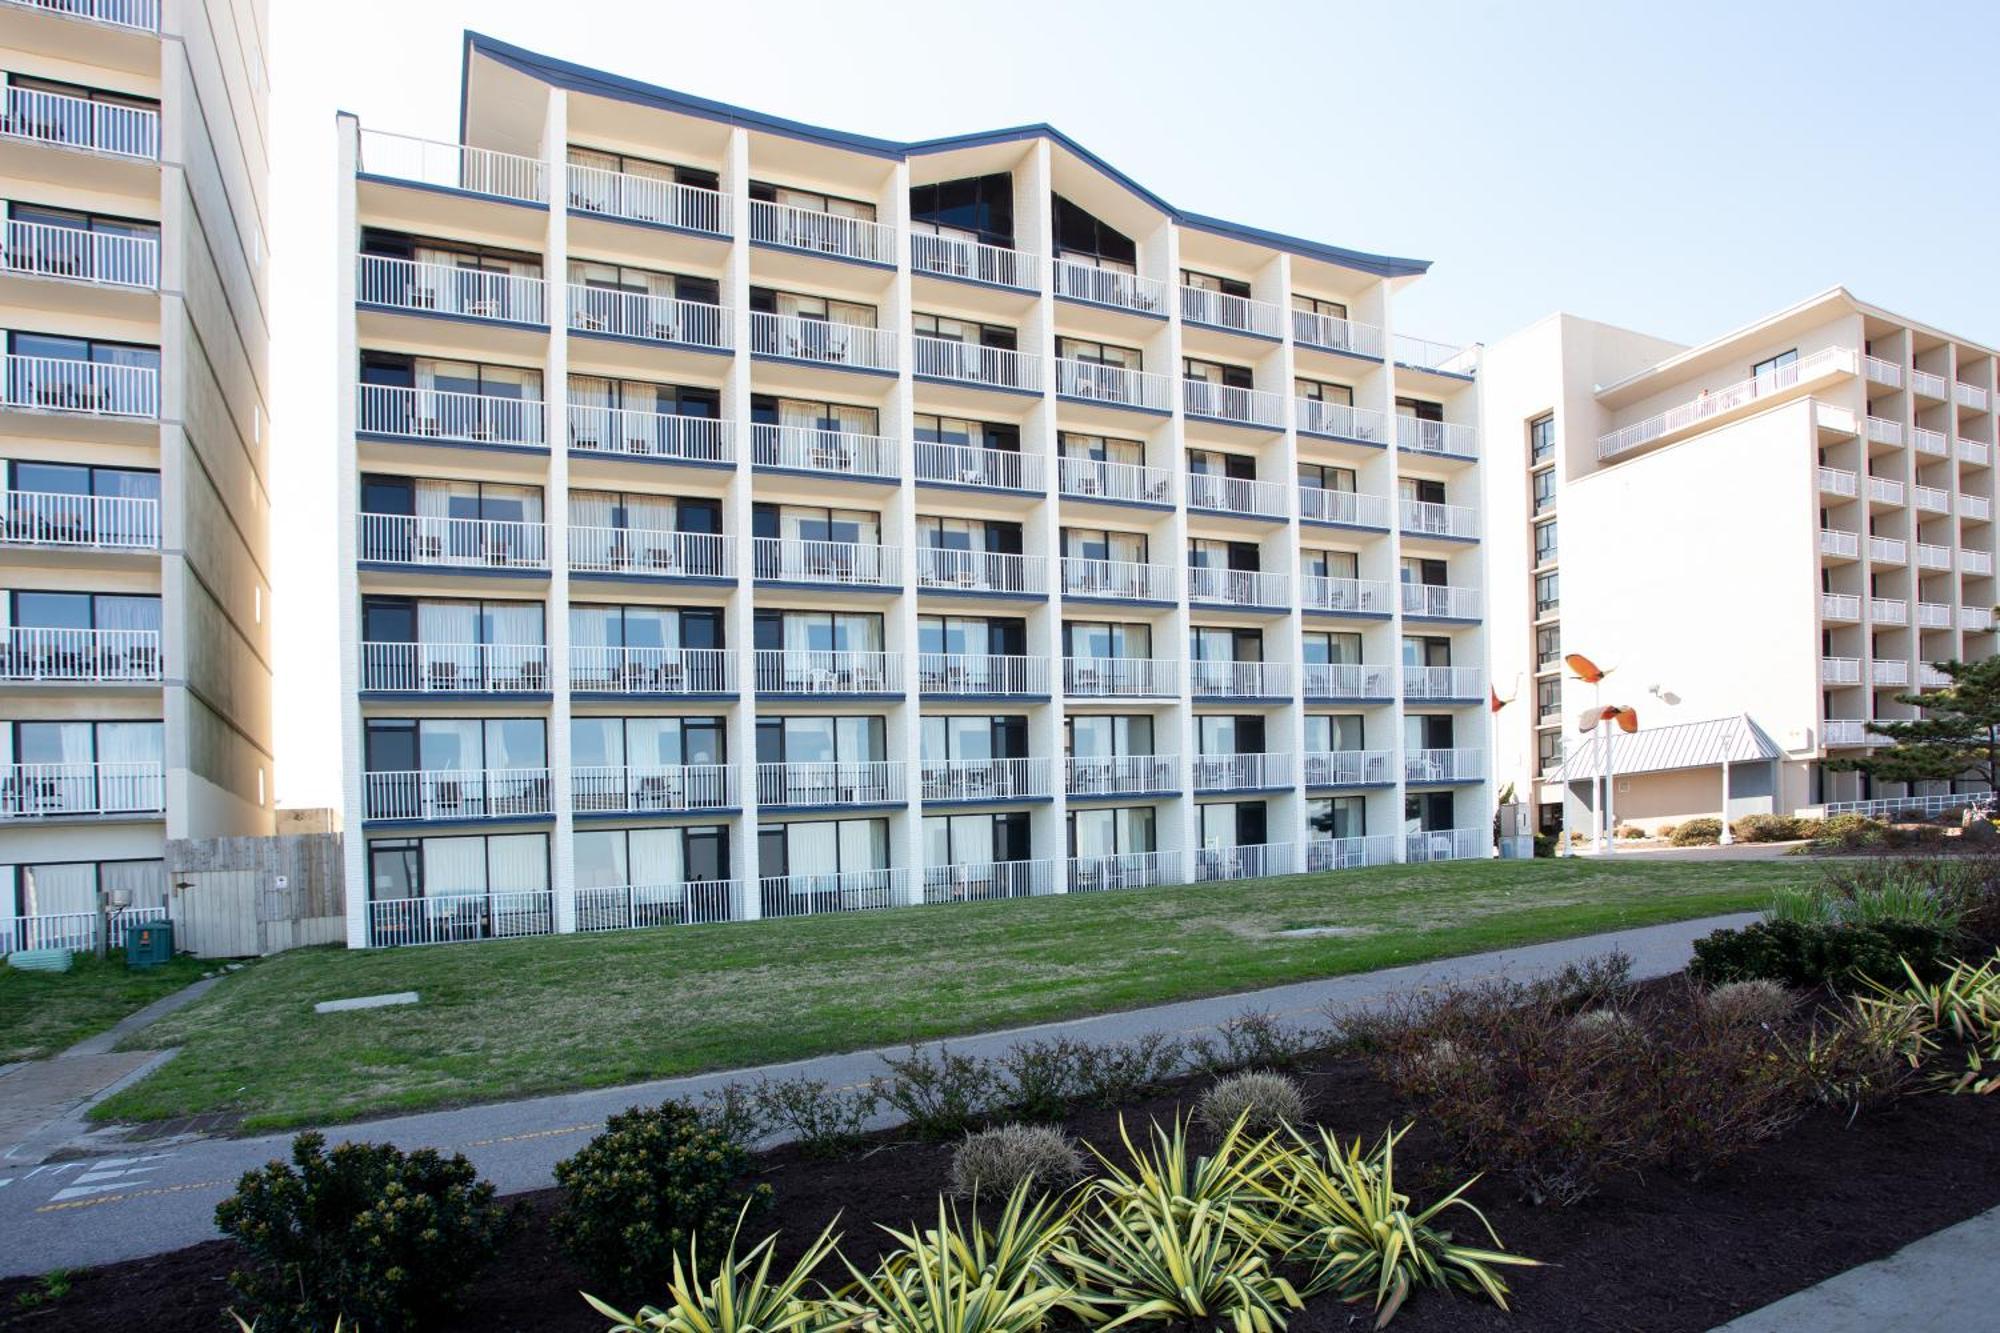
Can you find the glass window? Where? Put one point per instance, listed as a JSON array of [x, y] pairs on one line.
[[1542, 439]]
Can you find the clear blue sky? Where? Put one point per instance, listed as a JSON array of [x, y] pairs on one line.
[[1678, 168]]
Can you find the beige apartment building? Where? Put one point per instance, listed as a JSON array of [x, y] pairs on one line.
[[1765, 538], [135, 607]]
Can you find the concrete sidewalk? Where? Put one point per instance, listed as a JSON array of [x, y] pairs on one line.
[[1940, 1284]]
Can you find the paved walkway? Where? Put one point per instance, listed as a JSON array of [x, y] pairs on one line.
[[126, 1199], [1940, 1284]]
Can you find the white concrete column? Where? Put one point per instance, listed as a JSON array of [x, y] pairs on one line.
[[555, 393], [1034, 234], [1289, 733], [906, 827], [739, 630], [1180, 823], [347, 520], [1386, 404]]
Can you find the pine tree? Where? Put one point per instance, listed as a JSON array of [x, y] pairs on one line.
[[1955, 735]]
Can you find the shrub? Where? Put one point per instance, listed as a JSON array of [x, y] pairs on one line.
[[1253, 1039], [1861, 1055], [1852, 832], [1545, 844], [1594, 980], [1666, 831], [1808, 954], [1966, 1003], [941, 1095], [1126, 1071], [739, 1295], [1000, 1159], [1613, 1026], [1631, 832], [365, 1234], [1047, 1078], [956, 1278], [732, 1109], [1757, 1002], [1703, 832], [826, 1121], [1264, 1102], [658, 1180], [1766, 828]]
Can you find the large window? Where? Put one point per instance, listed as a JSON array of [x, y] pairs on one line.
[[821, 740], [1321, 646], [1422, 650], [1542, 439], [645, 396], [1322, 391], [1102, 449], [108, 611], [1548, 749], [972, 636], [811, 309], [1104, 544], [1335, 732], [502, 864], [1548, 593], [1093, 353], [812, 201], [1770, 366], [1548, 645], [1545, 490], [960, 432], [812, 853], [1545, 543], [1112, 831], [82, 768], [1548, 696], [598, 195], [1338, 816], [974, 208], [1224, 824], [1100, 639], [1108, 735], [1082, 239], [66, 888], [640, 876], [1229, 733], [969, 331], [1218, 373], [1323, 564], [1211, 643]]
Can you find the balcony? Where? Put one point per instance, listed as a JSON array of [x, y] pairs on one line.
[[822, 342], [1446, 438], [453, 543], [1888, 610], [1430, 767], [1928, 385], [1240, 680], [1316, 416], [1250, 861], [390, 283], [979, 675], [832, 891], [1933, 615], [1852, 731], [1347, 680], [81, 388], [1121, 677], [821, 671], [1120, 580], [79, 123], [1226, 402], [1236, 495], [1241, 772], [1121, 774], [664, 789], [1835, 542], [454, 918], [1839, 606], [75, 931], [1351, 853], [596, 668], [1882, 372], [1237, 314], [104, 259], [79, 522], [970, 261], [980, 469], [1354, 597], [1109, 287], [1927, 441], [1968, 395], [987, 881], [1458, 844], [1424, 518], [1444, 358], [648, 199], [971, 363], [1931, 499], [1975, 562], [849, 564], [450, 166], [1975, 507], [1883, 431], [1840, 670], [831, 783], [987, 572], [1113, 384], [79, 656], [1838, 481], [437, 794], [1930, 555], [984, 779], [1125, 483], [1350, 768], [1710, 406], [1885, 490], [648, 318], [1336, 335], [1888, 550], [80, 790], [455, 668], [820, 233], [1440, 601], [834, 452], [1930, 678], [1976, 619], [637, 906], [1444, 682], [139, 15], [1123, 870], [1889, 671], [1977, 452], [449, 416], [654, 552], [1352, 509], [630, 433], [1239, 587]]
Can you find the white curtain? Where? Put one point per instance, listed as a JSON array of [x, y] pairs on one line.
[[655, 860], [594, 627], [600, 859], [145, 881], [447, 622], [54, 888], [454, 865], [131, 742], [127, 613], [509, 622]]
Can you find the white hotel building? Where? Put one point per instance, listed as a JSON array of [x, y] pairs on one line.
[[134, 440], [747, 519], [1781, 529]]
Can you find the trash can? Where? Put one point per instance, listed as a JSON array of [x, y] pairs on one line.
[[149, 944]]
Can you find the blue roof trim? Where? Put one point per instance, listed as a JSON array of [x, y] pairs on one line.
[[598, 83]]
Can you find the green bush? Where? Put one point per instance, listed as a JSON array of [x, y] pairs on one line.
[[1766, 828], [1631, 832], [1545, 844], [1853, 832], [655, 1181], [1703, 832], [364, 1235], [1806, 954], [941, 1095]]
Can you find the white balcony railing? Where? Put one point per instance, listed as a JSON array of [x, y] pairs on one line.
[[1839, 606], [1931, 499], [1885, 489], [853, 564], [987, 881], [1840, 670], [1928, 441], [1443, 682], [831, 783], [79, 522], [1377, 849], [810, 449], [436, 414], [454, 918], [1242, 772], [1933, 615], [460, 543], [1888, 610], [1426, 354], [822, 341], [453, 166], [1443, 765], [1975, 506], [448, 289], [40, 250], [1889, 671], [1976, 618], [86, 388], [1888, 550], [633, 433], [1930, 678], [637, 906], [81, 123], [984, 779], [64, 791], [455, 668], [1712, 404], [1927, 384], [1105, 286], [981, 674], [1092, 479], [822, 233], [1239, 587], [1227, 402], [141, 15], [1352, 508], [79, 656], [1319, 417], [654, 551], [1126, 580], [1838, 481], [943, 570], [832, 891], [1437, 437], [1428, 519], [1242, 314], [75, 931], [436, 794], [657, 319], [1350, 768], [987, 469], [1441, 601], [956, 257], [1974, 451], [1120, 774], [1844, 731], [597, 668], [1250, 861], [1123, 870], [1336, 335], [1883, 431], [1352, 596], [1120, 677], [1834, 541], [827, 671], [1236, 495], [1458, 844], [1239, 680], [1112, 384], [652, 788], [1882, 372], [664, 203], [1975, 562], [970, 363], [1968, 395], [1346, 680]]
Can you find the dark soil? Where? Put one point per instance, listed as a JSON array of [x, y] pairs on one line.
[[1658, 1254]]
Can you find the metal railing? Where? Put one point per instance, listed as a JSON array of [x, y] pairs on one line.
[[1898, 805], [41, 250], [971, 363], [1112, 384], [652, 788], [620, 194], [1927, 384], [453, 918], [821, 233], [1106, 286], [78, 122], [1241, 772], [1974, 451], [638, 434], [1120, 677], [1243, 314], [1838, 481], [1239, 680], [1437, 437], [435, 794], [991, 469], [1429, 519], [1977, 618], [657, 319], [455, 668], [625, 669], [438, 414], [793, 560], [1443, 682], [1930, 678], [833, 891], [1123, 870], [1844, 731], [459, 543], [1458, 844], [1350, 768], [981, 674], [75, 931], [1933, 615], [637, 906], [1318, 592], [1840, 670], [1886, 489], [1975, 506], [1927, 441], [831, 782], [1839, 606], [945, 570], [956, 257], [822, 341], [1441, 601], [1353, 508], [1711, 404], [822, 671], [1126, 580], [1969, 395], [1975, 562], [1882, 372], [1092, 479], [89, 388], [1443, 765], [92, 522], [986, 881], [1375, 849], [983, 779], [1316, 416], [655, 551], [58, 791], [1120, 774], [81, 656], [1889, 550], [449, 289], [812, 449], [1889, 671], [1236, 495], [1932, 498], [1883, 431], [1888, 610], [1335, 335], [1249, 861], [1228, 402], [453, 166], [1425, 354], [1239, 587], [1346, 680], [144, 15], [1835, 541]]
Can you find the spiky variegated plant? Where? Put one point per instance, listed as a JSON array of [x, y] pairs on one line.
[[1966, 1002], [958, 1279], [740, 1296]]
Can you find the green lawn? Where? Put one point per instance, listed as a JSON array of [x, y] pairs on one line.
[[506, 1018], [43, 1012]]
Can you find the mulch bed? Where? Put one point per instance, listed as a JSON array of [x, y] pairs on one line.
[[1659, 1254]]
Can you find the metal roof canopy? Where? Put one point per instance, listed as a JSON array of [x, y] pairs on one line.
[[1684, 745]]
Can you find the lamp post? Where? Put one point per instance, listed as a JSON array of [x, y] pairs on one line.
[[1625, 718]]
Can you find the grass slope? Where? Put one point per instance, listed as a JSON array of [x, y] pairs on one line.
[[44, 1012]]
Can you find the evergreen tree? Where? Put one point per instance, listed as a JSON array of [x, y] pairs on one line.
[[1955, 735]]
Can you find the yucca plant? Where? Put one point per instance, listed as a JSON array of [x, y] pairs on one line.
[[741, 1295], [1167, 1178], [1966, 1003], [1361, 1237], [1019, 1242], [959, 1279]]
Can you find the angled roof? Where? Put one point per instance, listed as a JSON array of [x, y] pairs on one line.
[[1733, 740], [617, 87]]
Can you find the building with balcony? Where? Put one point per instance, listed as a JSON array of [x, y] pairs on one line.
[[1767, 537], [860, 523], [134, 450]]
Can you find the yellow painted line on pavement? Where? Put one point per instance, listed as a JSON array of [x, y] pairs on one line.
[[537, 1134], [127, 1197]]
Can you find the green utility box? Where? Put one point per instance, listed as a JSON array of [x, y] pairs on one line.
[[149, 944]]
